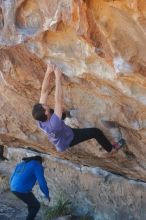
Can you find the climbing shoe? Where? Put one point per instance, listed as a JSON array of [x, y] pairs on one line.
[[120, 144]]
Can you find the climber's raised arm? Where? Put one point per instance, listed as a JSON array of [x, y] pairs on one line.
[[58, 93], [46, 84]]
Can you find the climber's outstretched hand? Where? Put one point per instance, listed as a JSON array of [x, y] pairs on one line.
[[58, 73], [50, 67]]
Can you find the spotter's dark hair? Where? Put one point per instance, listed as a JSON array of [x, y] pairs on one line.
[[37, 158]]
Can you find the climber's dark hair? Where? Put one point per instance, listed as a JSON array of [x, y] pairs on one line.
[[37, 158], [38, 112]]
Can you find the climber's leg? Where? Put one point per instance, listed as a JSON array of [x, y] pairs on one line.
[[84, 134]]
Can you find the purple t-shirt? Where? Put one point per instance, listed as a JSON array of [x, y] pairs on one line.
[[58, 132]]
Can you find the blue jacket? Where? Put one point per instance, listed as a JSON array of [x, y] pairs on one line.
[[25, 176]]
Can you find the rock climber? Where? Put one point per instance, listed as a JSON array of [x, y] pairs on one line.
[[59, 134], [22, 180]]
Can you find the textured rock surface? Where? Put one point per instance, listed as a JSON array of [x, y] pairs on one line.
[[90, 190], [13, 208], [101, 48]]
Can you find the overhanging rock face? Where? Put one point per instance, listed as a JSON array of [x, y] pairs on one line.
[[101, 48], [91, 191]]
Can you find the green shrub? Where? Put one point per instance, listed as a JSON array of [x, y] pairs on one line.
[[61, 208], [83, 217]]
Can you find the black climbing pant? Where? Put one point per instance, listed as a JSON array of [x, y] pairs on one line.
[[85, 134], [32, 204]]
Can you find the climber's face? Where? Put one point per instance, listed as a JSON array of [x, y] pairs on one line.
[[47, 111]]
